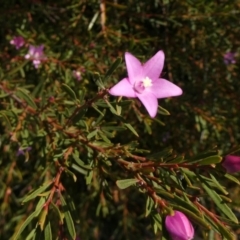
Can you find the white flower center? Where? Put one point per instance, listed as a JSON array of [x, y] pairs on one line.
[[143, 84], [147, 82]]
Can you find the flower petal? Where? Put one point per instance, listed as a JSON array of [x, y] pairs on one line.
[[123, 88], [231, 163], [150, 102], [162, 88], [153, 67], [134, 68]]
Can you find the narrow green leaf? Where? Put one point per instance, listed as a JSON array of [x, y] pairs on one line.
[[113, 67], [16, 69], [157, 218], [158, 156], [6, 120], [25, 95], [29, 219], [129, 126], [48, 232], [122, 184], [163, 111], [219, 186], [163, 193], [68, 218], [92, 134], [97, 79], [104, 137], [192, 215], [89, 177], [218, 201], [31, 234], [185, 204], [80, 162], [69, 91], [149, 206], [232, 178], [210, 160], [95, 107], [71, 174], [57, 211], [112, 109], [36, 192], [79, 169]]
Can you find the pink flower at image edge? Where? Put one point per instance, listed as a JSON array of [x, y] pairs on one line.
[[144, 83], [231, 163], [179, 227]]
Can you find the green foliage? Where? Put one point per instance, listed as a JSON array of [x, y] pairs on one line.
[[77, 162]]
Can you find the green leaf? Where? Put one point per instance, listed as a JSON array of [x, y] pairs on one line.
[[232, 178], [192, 215], [48, 231], [163, 193], [36, 192], [6, 120], [57, 211], [113, 67], [129, 126], [158, 156], [149, 205], [89, 177], [210, 160], [29, 219], [17, 69], [79, 169], [25, 95], [31, 234], [69, 91], [157, 219], [218, 201], [218, 185], [112, 109], [68, 218], [71, 174], [122, 184], [163, 111], [92, 134], [97, 79]]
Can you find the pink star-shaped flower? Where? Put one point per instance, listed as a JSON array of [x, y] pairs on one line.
[[144, 83]]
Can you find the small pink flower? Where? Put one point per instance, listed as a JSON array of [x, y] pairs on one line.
[[144, 83], [35, 53], [229, 58], [179, 227], [231, 163], [22, 151], [18, 42], [77, 75]]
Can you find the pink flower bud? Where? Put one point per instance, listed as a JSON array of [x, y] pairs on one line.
[[179, 227], [231, 163]]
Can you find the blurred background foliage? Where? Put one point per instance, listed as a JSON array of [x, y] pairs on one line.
[[88, 36]]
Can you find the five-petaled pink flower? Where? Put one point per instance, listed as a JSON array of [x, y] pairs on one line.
[[179, 227], [144, 83], [35, 53], [18, 42], [231, 163]]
